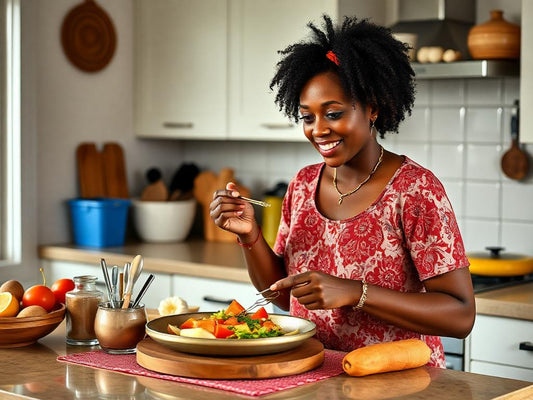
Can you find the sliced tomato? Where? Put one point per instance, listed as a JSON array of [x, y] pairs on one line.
[[190, 323], [207, 324], [260, 314], [234, 308], [231, 321], [222, 331]]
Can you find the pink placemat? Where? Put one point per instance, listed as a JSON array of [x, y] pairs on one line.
[[332, 366]]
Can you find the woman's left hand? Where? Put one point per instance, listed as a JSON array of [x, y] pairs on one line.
[[316, 290]]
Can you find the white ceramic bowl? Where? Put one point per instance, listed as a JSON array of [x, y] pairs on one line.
[[163, 221]]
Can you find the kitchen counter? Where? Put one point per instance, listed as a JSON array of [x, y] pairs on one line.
[[197, 257], [225, 261], [33, 372], [511, 302]]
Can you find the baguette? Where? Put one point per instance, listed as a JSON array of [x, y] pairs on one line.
[[386, 357]]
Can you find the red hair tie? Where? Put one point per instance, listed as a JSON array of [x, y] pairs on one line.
[[331, 55]]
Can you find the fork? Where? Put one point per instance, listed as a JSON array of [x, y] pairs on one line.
[[263, 301]]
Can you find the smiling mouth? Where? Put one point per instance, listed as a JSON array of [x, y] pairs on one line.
[[328, 146]]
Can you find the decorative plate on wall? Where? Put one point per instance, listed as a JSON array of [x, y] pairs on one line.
[[88, 37]]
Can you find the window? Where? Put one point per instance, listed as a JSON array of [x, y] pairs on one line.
[[10, 173]]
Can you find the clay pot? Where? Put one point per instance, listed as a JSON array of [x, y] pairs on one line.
[[494, 39]]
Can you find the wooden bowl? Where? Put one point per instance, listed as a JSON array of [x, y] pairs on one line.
[[18, 332]]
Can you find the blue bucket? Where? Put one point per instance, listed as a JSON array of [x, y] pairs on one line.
[[99, 222]]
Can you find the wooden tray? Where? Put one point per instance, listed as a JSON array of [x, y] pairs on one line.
[[156, 357]]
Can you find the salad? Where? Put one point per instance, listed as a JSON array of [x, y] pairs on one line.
[[231, 323]]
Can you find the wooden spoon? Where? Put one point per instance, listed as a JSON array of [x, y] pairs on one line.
[[515, 163], [129, 285]]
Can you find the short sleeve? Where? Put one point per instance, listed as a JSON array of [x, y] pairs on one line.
[[431, 231]]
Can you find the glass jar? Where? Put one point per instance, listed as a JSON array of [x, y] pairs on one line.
[[82, 304]]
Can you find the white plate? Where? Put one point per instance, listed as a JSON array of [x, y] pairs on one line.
[[157, 330]]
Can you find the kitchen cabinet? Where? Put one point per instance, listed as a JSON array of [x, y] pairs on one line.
[[214, 294], [495, 347], [180, 69], [526, 78], [194, 56]]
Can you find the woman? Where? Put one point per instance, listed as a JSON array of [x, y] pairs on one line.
[[368, 246]]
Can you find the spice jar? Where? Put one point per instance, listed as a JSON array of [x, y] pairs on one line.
[[82, 304]]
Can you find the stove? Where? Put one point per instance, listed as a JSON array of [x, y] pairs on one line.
[[453, 347]]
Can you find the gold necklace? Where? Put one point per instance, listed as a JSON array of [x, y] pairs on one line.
[[343, 195]]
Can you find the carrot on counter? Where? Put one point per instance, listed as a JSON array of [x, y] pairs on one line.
[[386, 357]]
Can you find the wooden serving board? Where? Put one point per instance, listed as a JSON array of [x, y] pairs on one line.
[[156, 357]]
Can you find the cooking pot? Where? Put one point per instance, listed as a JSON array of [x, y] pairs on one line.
[[496, 263]]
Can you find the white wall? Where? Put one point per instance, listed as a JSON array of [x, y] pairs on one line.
[[67, 106]]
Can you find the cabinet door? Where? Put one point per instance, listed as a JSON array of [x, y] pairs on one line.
[[257, 31], [213, 294], [180, 68]]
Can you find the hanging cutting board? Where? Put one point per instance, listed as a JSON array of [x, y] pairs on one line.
[[114, 166], [156, 357], [90, 171], [88, 37]]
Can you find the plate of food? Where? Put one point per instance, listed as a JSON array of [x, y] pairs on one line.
[[230, 332]]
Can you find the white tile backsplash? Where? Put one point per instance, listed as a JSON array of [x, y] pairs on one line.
[[459, 129], [483, 125], [483, 161]]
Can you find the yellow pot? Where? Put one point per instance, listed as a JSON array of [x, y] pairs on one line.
[[495, 263]]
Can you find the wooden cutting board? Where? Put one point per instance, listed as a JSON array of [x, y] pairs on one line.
[[156, 357], [114, 165]]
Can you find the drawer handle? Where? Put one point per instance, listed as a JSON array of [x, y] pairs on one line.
[[526, 346], [216, 300], [274, 126], [178, 125]]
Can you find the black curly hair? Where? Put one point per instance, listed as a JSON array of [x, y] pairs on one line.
[[373, 67]]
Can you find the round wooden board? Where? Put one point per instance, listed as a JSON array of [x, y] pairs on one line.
[[156, 357]]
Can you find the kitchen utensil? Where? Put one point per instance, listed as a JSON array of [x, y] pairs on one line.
[[90, 171], [114, 287], [143, 290], [205, 185], [497, 263], [494, 39], [156, 190], [256, 202], [118, 330], [120, 286], [156, 357], [135, 265], [163, 221], [107, 281], [267, 296], [515, 163], [23, 331], [157, 330], [114, 166], [182, 182], [88, 37]]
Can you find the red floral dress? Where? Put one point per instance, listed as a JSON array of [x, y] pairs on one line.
[[409, 234]]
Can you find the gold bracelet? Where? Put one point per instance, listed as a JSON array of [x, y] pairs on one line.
[[362, 299]]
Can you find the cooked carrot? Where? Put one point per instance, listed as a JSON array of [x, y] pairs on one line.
[[386, 357]]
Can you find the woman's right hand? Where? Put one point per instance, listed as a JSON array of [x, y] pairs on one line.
[[231, 213]]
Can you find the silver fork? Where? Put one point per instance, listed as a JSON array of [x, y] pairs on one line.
[[268, 297]]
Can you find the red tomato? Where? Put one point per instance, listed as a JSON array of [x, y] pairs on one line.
[[260, 314], [222, 332], [39, 295], [60, 287], [234, 308]]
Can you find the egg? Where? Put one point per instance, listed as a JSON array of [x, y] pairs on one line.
[[435, 54]]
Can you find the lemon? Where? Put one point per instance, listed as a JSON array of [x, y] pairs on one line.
[[9, 305], [172, 305]]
